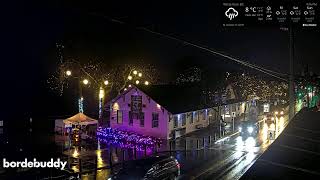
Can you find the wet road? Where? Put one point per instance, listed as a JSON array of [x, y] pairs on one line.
[[232, 157], [228, 158]]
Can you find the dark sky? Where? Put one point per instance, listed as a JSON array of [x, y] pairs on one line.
[[31, 30]]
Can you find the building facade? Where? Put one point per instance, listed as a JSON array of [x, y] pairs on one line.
[[135, 111]]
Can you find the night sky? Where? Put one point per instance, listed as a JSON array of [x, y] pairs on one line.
[[31, 30]]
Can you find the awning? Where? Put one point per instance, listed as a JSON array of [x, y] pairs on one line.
[[80, 119]]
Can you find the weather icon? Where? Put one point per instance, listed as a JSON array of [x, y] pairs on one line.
[[231, 13]]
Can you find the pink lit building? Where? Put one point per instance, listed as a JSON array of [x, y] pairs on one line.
[[135, 111], [160, 111]]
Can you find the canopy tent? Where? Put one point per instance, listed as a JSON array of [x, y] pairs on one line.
[[80, 119]]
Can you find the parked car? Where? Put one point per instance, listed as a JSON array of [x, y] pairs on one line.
[[158, 167]]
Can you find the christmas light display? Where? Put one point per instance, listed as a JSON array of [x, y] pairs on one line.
[[125, 139]]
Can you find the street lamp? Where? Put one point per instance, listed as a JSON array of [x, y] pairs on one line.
[[140, 74], [101, 96], [101, 93], [68, 73], [129, 86], [135, 72], [146, 83], [85, 81], [137, 81], [106, 82], [130, 77]]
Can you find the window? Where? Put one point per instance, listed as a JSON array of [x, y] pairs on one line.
[[183, 119], [196, 116], [175, 121], [191, 118], [155, 120], [141, 118], [119, 117], [130, 118]]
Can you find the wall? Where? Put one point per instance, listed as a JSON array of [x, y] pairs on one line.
[[123, 103], [201, 118]]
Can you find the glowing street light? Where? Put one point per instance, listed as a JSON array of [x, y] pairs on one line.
[[135, 72], [130, 77], [85, 81], [129, 86], [140, 74], [106, 82], [125, 89], [146, 83], [101, 93], [68, 73], [137, 81]]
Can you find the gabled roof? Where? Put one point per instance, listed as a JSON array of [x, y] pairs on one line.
[[176, 98]]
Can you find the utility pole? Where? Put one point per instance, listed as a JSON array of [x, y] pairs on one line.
[[291, 78]]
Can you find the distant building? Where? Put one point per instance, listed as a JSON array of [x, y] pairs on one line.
[[165, 111]]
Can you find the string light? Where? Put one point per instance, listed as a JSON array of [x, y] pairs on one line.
[[106, 82], [85, 81], [126, 139], [68, 73]]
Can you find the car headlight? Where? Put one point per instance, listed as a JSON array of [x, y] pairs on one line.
[[250, 129], [240, 129]]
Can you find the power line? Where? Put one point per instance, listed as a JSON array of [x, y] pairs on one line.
[[244, 63]]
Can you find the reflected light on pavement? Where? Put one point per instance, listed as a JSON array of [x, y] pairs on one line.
[[265, 132], [281, 124], [99, 159], [250, 144], [75, 153]]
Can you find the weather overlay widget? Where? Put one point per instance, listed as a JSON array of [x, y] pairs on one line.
[[303, 14]]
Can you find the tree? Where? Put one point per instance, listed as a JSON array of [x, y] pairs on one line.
[[99, 74]]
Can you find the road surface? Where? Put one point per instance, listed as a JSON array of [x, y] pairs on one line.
[[232, 157]]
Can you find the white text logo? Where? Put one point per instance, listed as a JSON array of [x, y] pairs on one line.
[[34, 164]]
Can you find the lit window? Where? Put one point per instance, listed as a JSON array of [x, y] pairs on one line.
[[155, 120], [119, 117]]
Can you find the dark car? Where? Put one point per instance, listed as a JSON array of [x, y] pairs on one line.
[[158, 167], [248, 128]]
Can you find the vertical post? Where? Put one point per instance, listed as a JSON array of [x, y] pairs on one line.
[[80, 100], [198, 144], [135, 152], [233, 124], [110, 158], [291, 77], [123, 156], [95, 167], [80, 167], [145, 150], [209, 140], [203, 142], [215, 136], [185, 145]]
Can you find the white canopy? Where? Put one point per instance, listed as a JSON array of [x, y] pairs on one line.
[[80, 119]]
